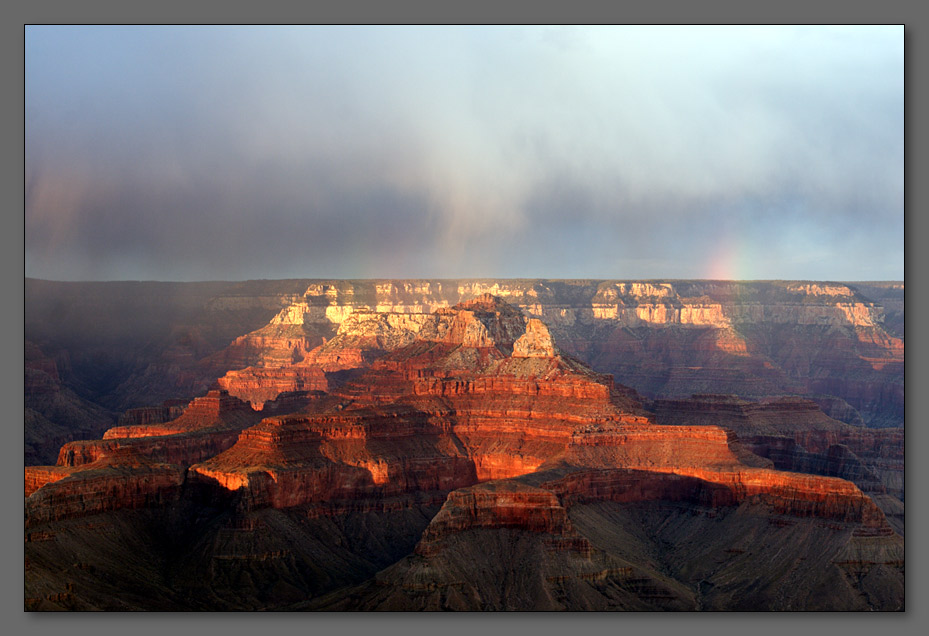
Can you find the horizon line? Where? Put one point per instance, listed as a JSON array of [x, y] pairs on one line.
[[475, 278]]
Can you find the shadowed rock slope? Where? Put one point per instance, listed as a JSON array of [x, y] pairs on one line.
[[456, 460], [137, 344], [797, 436]]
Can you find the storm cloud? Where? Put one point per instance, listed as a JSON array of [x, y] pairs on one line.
[[194, 153]]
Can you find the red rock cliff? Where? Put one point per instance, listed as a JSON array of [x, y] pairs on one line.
[[111, 483]]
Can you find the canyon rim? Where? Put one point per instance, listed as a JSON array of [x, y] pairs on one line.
[[465, 444], [487, 318]]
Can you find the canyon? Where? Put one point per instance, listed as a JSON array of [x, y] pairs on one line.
[[472, 445]]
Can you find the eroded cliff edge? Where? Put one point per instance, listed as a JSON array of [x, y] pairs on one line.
[[665, 339], [474, 406]]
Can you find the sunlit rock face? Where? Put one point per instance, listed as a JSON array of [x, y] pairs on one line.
[[477, 388], [698, 303], [475, 393], [138, 344], [121, 479], [495, 403], [467, 431], [536, 342], [543, 508], [797, 436], [258, 385], [662, 338], [136, 462]]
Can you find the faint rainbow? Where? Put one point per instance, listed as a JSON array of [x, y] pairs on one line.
[[730, 260]]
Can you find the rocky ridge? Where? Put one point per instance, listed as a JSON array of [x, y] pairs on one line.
[[662, 338], [473, 403], [464, 389], [55, 414], [798, 436], [134, 462], [132, 345]]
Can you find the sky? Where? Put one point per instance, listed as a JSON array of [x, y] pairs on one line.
[[234, 153]]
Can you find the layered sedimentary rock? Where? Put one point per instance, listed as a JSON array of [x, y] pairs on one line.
[[502, 504], [136, 344], [182, 449], [38, 476], [55, 414], [628, 539], [474, 406], [135, 465], [560, 303], [305, 459], [542, 505], [772, 416], [662, 338], [217, 409], [116, 481], [149, 415], [472, 397], [890, 295], [797, 436], [486, 396], [281, 342], [258, 385], [207, 426]]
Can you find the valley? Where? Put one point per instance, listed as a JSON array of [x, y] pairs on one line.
[[470, 445]]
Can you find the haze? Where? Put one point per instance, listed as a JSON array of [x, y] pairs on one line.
[[226, 153]]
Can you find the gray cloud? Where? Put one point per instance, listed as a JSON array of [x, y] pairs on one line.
[[191, 153]]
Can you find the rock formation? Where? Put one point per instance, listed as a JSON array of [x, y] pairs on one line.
[[463, 429], [797, 436], [258, 385], [133, 464], [120, 479], [665, 339], [55, 414]]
